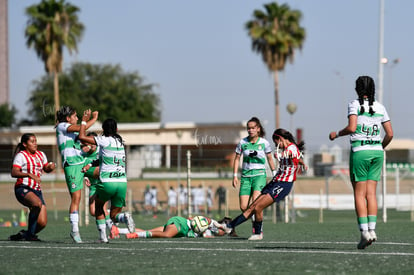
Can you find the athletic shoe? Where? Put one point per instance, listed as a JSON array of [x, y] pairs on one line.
[[373, 235], [129, 222], [76, 237], [255, 237], [114, 232], [226, 229], [103, 241], [31, 238], [233, 233], [132, 235], [18, 237], [365, 240]]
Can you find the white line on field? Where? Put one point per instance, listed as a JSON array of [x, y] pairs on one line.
[[201, 249]]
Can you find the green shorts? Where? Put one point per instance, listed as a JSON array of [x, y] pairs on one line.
[[112, 191], [366, 165], [74, 177], [252, 183], [181, 224]]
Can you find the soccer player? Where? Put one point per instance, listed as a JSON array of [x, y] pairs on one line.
[[72, 161], [112, 174], [91, 170], [28, 165], [177, 227], [289, 155], [255, 149], [365, 118]]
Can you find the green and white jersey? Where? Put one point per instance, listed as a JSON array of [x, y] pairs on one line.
[[368, 132], [254, 156], [111, 159], [69, 145]]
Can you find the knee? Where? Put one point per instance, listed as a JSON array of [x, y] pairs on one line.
[[36, 206]]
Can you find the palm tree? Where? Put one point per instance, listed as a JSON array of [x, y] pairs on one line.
[[275, 35], [53, 24]]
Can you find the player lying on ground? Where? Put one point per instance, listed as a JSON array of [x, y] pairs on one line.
[[177, 226]]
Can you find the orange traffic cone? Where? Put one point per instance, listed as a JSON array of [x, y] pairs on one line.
[[23, 219]]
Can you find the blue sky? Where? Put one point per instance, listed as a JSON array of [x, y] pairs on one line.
[[199, 55]]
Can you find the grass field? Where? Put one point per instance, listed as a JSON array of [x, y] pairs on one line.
[[306, 246]]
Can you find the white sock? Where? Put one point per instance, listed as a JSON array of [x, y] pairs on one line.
[[144, 234], [121, 217], [102, 232], [74, 221], [109, 223], [123, 230]]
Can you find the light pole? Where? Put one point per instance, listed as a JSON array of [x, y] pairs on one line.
[[390, 65], [179, 135], [291, 108]]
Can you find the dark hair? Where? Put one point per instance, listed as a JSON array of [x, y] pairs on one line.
[[365, 86], [254, 119], [110, 128], [64, 112], [23, 139], [225, 220], [287, 135]]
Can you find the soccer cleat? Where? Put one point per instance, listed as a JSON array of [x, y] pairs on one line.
[[76, 237], [19, 236], [233, 233], [114, 232], [31, 238], [129, 222], [103, 241], [365, 240], [132, 235], [255, 237], [373, 235]]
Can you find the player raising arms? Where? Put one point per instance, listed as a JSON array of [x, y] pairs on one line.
[[289, 155], [112, 174], [72, 160], [28, 165]]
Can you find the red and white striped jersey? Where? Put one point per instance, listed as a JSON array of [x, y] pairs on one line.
[[30, 163], [288, 163]]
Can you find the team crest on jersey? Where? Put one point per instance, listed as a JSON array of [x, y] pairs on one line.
[[260, 147]]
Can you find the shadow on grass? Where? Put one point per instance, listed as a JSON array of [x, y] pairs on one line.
[[293, 248]]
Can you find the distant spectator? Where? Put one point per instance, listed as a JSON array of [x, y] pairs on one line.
[[172, 202], [221, 195]]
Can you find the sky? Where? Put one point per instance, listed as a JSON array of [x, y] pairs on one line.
[[199, 55]]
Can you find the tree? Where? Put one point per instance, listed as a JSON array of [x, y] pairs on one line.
[[7, 115], [106, 88], [275, 35], [51, 26]]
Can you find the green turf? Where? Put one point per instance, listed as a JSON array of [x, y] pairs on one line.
[[306, 246]]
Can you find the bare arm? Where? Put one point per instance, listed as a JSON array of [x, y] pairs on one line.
[[270, 161], [17, 173], [388, 134], [84, 124], [349, 129], [76, 128], [235, 170]]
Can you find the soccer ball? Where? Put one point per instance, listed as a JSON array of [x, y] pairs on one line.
[[199, 224]]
